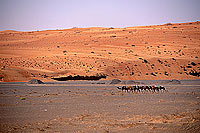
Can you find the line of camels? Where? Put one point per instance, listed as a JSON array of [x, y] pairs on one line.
[[137, 88]]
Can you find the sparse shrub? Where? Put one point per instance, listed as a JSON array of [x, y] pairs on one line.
[[194, 64], [145, 61], [113, 36], [166, 73], [168, 24], [77, 32], [131, 51], [153, 74], [189, 66], [194, 73]]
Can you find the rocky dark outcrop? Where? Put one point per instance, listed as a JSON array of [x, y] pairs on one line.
[[35, 81], [174, 81], [115, 81]]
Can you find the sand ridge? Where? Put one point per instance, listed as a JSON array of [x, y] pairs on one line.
[[169, 51]]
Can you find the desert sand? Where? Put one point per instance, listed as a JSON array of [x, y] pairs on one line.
[[144, 55], [169, 51]]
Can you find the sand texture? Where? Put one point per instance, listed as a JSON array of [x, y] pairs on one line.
[[169, 51]]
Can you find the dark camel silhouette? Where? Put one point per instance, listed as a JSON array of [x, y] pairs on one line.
[[137, 88]]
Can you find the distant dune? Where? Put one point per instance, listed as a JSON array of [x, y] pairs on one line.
[[169, 51]]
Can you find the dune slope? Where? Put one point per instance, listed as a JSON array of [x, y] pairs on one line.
[[169, 51]]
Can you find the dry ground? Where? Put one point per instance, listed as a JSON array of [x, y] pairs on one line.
[[98, 108]]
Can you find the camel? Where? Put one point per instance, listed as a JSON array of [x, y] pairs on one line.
[[137, 88]]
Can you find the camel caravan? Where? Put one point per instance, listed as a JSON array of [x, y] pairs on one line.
[[138, 88]]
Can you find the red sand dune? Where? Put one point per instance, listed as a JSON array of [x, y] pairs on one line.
[[169, 51]]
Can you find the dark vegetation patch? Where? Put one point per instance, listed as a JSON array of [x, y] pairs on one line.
[[189, 66], [160, 61], [192, 63], [145, 61], [111, 28], [194, 73], [113, 36], [64, 52], [153, 74], [174, 59], [167, 24], [78, 77], [166, 73]]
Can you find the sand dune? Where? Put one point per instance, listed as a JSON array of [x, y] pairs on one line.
[[169, 51]]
